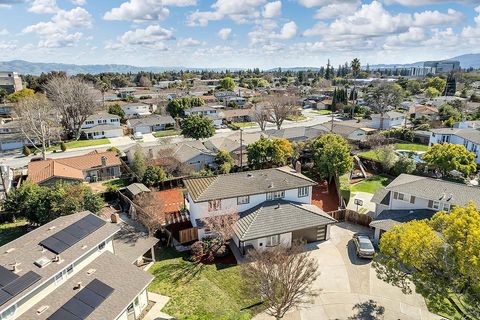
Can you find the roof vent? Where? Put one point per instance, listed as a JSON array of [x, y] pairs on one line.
[[15, 267], [78, 286], [270, 185], [42, 262], [442, 196], [104, 161], [249, 175], [10, 250], [51, 228], [42, 309], [450, 197], [278, 206], [91, 271], [84, 247]]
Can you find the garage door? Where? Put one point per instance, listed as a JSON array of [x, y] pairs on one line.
[[310, 234]]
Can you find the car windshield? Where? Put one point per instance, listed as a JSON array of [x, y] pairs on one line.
[[365, 244]]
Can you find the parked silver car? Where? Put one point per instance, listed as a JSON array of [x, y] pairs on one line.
[[363, 246]]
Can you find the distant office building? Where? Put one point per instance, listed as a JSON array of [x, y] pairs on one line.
[[444, 66], [10, 81]]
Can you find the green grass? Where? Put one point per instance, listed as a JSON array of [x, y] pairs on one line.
[[411, 147], [453, 314], [81, 143], [370, 155], [323, 112], [11, 231], [204, 291], [371, 184], [296, 118], [166, 133], [116, 184], [244, 124]]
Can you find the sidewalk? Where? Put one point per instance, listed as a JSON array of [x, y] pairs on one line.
[[155, 313]]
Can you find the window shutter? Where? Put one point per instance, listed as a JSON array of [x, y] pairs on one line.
[[412, 199], [395, 195], [430, 203]]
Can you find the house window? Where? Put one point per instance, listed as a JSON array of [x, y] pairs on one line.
[[9, 313], [302, 192], [214, 205], [446, 207], [275, 195], [69, 270], [412, 199], [433, 204], [101, 246], [59, 277], [243, 200], [273, 240]]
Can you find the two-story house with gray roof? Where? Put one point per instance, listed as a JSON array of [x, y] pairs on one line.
[[411, 197], [102, 125], [468, 137], [274, 206], [75, 267]]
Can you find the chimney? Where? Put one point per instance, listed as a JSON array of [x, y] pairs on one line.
[[115, 218], [78, 286], [104, 161], [298, 167]]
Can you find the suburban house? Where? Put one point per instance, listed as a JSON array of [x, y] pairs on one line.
[[470, 138], [351, 130], [10, 81], [274, 207], [151, 123], [239, 101], [206, 111], [236, 115], [411, 197], [11, 137], [138, 109], [465, 124], [6, 110], [223, 95], [295, 134], [102, 125], [421, 111], [391, 119], [91, 167], [74, 267]]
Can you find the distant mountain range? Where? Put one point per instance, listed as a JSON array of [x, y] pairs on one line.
[[36, 68]]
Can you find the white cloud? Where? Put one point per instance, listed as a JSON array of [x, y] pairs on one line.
[[239, 11], [189, 42], [79, 2], [272, 9], [152, 37], [138, 10], [60, 40], [409, 38], [44, 6], [320, 3], [4, 32], [334, 10], [179, 3], [432, 18], [7, 45], [224, 33], [413, 3], [261, 36]]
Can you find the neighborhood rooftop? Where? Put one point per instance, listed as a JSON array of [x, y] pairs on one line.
[[245, 183]]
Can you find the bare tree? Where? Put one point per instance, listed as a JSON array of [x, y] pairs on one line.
[[152, 211], [260, 116], [382, 96], [282, 276], [39, 121], [280, 107], [222, 225], [74, 100]]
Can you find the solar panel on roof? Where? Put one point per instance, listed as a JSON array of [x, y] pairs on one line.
[[84, 302], [6, 276], [62, 314], [4, 297], [22, 283], [100, 288], [67, 237]]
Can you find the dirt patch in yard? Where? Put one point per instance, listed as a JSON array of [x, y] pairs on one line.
[[325, 196]]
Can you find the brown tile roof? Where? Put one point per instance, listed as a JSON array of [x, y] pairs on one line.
[[71, 167], [173, 199]]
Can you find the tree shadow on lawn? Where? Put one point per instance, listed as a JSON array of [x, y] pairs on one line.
[[183, 271], [368, 310]]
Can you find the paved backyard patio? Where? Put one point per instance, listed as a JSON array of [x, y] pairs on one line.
[[349, 288]]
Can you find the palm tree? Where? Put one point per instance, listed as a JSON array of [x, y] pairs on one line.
[[355, 71], [103, 87]]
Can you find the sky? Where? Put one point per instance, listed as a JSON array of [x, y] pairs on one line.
[[237, 33]]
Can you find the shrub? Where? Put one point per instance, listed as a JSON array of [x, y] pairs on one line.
[[404, 165], [197, 250], [116, 150], [63, 146], [344, 188], [26, 151], [387, 157]]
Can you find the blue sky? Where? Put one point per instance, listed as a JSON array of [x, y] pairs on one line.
[[237, 33]]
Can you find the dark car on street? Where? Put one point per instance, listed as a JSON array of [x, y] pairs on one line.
[[363, 246]]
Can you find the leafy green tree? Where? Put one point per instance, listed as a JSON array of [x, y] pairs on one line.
[[153, 176], [266, 153], [224, 161], [446, 111], [331, 156], [414, 86], [386, 156], [116, 109], [176, 107], [116, 150], [404, 164], [20, 95], [197, 127], [26, 151], [3, 95], [382, 96], [63, 146], [139, 166], [446, 157], [432, 92], [440, 257], [227, 83], [437, 83]]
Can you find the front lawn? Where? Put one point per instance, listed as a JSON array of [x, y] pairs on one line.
[[244, 124], [204, 291], [323, 112], [411, 147], [11, 231], [81, 143], [371, 184], [166, 133], [296, 118]]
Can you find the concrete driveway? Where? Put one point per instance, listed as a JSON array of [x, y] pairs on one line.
[[368, 206], [349, 289]]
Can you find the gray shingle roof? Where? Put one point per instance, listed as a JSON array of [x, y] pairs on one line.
[[26, 249], [102, 127], [151, 120], [470, 134], [136, 188], [296, 133], [245, 183], [276, 217], [381, 196], [126, 279], [390, 218], [435, 189], [132, 241]]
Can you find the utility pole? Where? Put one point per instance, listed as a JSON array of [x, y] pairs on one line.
[[241, 148]]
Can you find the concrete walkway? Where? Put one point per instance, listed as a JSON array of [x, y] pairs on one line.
[[348, 288], [155, 313], [368, 206]]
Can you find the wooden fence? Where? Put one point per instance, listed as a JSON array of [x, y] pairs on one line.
[[351, 216], [188, 235]]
